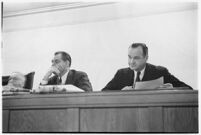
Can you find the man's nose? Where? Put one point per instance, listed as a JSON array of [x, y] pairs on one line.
[[132, 61], [53, 63]]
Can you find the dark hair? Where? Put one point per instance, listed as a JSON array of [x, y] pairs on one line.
[[144, 47], [65, 56]]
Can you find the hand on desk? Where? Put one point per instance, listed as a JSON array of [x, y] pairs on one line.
[[127, 88], [8, 88], [165, 86]]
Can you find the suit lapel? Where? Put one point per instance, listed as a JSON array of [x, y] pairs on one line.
[[69, 79], [146, 73], [130, 76]]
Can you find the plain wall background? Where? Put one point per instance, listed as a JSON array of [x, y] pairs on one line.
[[98, 42]]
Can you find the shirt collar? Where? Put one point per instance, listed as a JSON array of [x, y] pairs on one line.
[[141, 73], [64, 77]]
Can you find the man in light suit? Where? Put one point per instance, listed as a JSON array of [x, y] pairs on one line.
[[62, 74], [140, 70], [16, 81]]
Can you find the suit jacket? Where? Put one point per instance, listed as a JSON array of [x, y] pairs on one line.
[[76, 78], [125, 77]]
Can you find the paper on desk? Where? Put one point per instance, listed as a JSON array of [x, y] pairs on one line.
[[57, 88], [149, 84], [70, 88], [11, 90]]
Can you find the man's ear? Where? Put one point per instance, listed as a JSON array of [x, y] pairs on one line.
[[146, 57], [68, 63]]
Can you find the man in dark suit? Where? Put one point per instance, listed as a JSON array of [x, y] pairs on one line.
[[140, 70], [62, 74]]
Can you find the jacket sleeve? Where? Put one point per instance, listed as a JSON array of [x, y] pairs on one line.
[[51, 81], [83, 82], [113, 84], [169, 78]]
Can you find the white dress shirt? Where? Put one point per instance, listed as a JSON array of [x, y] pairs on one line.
[[64, 78], [141, 74]]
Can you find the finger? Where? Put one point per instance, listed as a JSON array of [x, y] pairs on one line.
[[125, 88], [129, 88], [59, 67], [167, 84], [55, 70]]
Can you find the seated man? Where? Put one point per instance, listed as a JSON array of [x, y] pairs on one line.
[[16, 81], [62, 74], [140, 70]]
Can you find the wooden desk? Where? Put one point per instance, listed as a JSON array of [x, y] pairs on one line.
[[123, 111]]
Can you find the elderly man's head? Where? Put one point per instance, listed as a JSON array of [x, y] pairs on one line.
[[17, 79]]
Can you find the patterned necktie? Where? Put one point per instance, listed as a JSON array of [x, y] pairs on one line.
[[59, 81], [138, 77]]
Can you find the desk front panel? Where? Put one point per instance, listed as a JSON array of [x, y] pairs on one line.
[[146, 111], [134, 119], [180, 119], [44, 120]]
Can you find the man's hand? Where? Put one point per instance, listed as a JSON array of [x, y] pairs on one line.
[[55, 70], [52, 70], [165, 86], [127, 88]]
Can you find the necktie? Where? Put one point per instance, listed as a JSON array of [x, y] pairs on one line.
[[59, 80], [137, 79], [138, 76]]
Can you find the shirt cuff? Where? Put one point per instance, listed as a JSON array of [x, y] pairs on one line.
[[43, 82]]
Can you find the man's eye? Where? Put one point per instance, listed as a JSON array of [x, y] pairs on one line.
[[137, 58], [56, 62]]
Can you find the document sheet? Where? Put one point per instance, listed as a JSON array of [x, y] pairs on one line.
[[149, 84]]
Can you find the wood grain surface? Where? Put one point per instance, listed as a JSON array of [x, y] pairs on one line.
[[49, 120], [122, 111], [181, 119], [145, 119], [5, 120]]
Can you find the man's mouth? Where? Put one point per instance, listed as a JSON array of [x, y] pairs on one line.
[[133, 65]]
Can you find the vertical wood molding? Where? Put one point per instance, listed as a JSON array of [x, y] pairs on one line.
[[5, 121], [44, 120]]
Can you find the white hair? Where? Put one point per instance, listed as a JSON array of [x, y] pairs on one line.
[[17, 79]]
